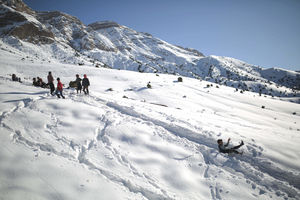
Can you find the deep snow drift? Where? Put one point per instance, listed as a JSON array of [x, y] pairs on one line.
[[126, 141]]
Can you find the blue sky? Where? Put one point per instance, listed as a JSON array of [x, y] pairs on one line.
[[260, 32]]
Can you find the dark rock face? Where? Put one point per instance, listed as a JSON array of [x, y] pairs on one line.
[[15, 23], [33, 33], [102, 25], [49, 16], [9, 18], [18, 5], [198, 53]]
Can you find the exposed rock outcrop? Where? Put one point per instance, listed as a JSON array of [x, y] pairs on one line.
[[32, 33], [103, 25], [18, 5], [9, 18]]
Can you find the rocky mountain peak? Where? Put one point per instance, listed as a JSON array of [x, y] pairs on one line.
[[51, 15], [18, 5], [19, 21]]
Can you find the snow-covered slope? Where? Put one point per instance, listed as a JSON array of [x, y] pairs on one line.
[[107, 44], [127, 141]]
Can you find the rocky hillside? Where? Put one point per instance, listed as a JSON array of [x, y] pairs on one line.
[[107, 44]]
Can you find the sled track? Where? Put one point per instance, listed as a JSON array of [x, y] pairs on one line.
[[81, 151], [253, 167], [207, 147]]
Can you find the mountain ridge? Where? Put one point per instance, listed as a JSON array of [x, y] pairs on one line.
[[109, 44]]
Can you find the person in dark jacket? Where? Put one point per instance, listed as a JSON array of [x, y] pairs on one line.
[[15, 78], [85, 84], [78, 83], [41, 83], [59, 89], [35, 83], [50, 83], [223, 147]]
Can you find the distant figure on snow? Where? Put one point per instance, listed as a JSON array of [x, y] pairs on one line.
[[50, 83], [85, 84], [35, 83], [41, 83], [38, 81], [223, 147], [15, 78], [78, 83], [59, 89]]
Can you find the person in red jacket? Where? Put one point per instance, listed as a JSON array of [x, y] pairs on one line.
[[59, 89]]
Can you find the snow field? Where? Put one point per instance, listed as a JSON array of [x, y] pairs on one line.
[[157, 143]]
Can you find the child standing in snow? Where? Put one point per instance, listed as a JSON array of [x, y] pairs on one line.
[[59, 89], [223, 147], [85, 84]]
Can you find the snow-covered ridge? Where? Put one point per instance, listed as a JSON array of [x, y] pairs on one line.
[[108, 44]]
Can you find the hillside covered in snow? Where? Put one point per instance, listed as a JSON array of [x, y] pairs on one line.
[[128, 141], [107, 44]]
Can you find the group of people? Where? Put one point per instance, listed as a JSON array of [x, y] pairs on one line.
[[15, 78], [82, 84], [38, 82]]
